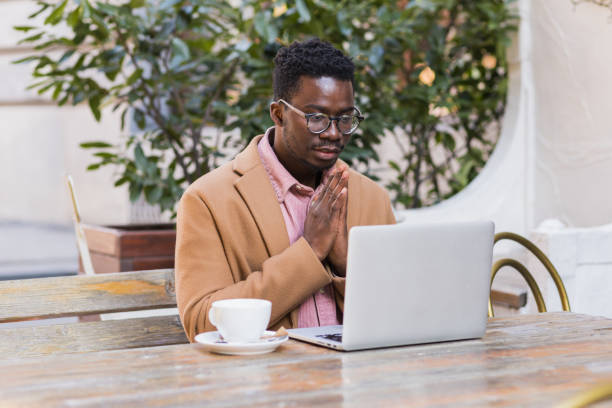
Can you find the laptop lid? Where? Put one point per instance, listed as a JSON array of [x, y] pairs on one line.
[[417, 283]]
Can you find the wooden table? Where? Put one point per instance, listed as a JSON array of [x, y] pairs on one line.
[[530, 360]]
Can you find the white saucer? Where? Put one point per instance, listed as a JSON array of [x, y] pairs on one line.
[[212, 342]]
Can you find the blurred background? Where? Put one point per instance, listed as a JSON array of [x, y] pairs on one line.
[[548, 163]]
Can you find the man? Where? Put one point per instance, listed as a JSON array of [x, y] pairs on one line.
[[273, 222]]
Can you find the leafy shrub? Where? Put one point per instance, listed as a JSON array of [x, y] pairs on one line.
[[430, 74]]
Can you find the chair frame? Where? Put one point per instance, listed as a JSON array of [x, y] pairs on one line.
[[530, 246]]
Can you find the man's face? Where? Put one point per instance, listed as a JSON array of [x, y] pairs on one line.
[[303, 153]]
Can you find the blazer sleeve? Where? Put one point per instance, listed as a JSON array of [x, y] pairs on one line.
[[204, 275]]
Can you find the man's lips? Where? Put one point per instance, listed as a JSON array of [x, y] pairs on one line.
[[327, 152], [328, 149]]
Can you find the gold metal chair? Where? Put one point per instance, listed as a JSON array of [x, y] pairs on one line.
[[526, 274], [589, 396]]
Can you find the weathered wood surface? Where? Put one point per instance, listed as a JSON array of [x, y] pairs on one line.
[[82, 295], [524, 360], [92, 336]]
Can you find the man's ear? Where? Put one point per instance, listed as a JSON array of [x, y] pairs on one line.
[[276, 113]]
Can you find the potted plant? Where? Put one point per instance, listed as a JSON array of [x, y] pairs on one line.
[[185, 75]]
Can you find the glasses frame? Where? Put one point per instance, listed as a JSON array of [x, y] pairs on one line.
[[307, 116]]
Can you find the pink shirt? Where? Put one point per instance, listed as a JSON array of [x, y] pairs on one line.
[[294, 198]]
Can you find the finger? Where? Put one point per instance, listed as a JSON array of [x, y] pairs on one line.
[[345, 178], [315, 202], [329, 189], [342, 183], [340, 200]]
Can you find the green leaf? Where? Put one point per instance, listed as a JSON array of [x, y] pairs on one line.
[[95, 145], [134, 77], [43, 7], [25, 59], [121, 181], [31, 38], [94, 106], [57, 91], [261, 23], [105, 155], [140, 159], [135, 191], [74, 16], [123, 118], [65, 56], [180, 50], [303, 11], [394, 166], [25, 29], [137, 3], [153, 194], [57, 13], [139, 118], [45, 88]]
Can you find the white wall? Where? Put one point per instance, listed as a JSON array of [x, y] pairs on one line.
[[573, 112], [39, 145]]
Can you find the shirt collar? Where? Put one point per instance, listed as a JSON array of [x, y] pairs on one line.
[[282, 180]]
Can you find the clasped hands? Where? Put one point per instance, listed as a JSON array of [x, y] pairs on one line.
[[325, 226]]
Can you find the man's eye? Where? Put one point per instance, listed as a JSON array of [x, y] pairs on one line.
[[317, 118], [346, 119]]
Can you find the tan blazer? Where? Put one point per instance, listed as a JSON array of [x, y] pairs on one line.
[[232, 243]]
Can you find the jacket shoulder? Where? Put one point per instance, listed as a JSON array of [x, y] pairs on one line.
[[368, 186], [213, 183]]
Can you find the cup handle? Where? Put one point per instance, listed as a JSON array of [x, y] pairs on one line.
[[211, 315]]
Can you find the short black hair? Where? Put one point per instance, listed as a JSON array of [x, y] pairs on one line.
[[313, 58]]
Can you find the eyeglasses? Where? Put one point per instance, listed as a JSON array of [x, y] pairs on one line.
[[319, 122]]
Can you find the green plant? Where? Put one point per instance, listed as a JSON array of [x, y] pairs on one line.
[[161, 65], [430, 74]]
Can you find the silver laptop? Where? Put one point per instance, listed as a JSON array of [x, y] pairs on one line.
[[412, 284]]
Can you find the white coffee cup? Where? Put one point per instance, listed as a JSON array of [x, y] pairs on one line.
[[240, 320]]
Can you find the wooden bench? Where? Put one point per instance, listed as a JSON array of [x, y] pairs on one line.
[[85, 295]]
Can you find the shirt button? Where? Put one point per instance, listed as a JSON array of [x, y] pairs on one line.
[[322, 291]]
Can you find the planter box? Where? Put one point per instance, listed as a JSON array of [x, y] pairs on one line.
[[130, 247]]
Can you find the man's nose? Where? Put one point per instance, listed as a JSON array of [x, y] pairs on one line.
[[332, 132]]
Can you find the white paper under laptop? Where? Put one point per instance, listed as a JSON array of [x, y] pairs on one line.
[[411, 284]]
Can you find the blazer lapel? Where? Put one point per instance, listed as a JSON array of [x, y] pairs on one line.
[[255, 189], [353, 210]]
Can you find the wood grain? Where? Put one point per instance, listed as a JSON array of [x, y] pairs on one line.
[[93, 336], [82, 295], [524, 360]]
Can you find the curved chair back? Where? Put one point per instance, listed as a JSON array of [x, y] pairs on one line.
[[537, 294]]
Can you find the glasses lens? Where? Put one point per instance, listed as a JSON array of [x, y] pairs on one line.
[[318, 123], [348, 123]]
